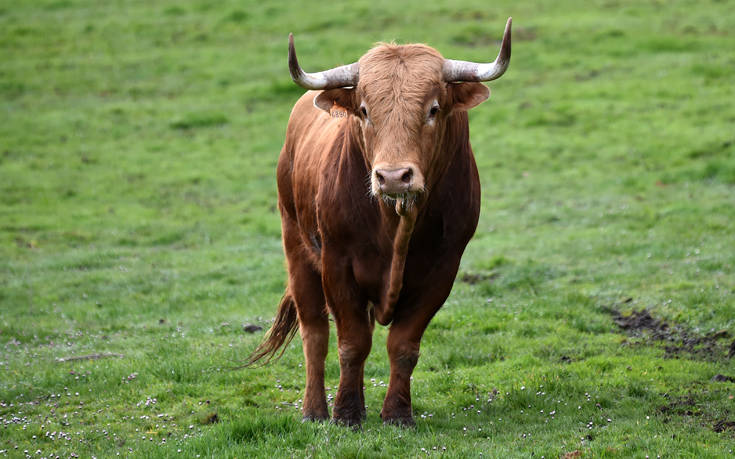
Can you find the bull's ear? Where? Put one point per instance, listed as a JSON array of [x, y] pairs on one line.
[[343, 97], [468, 95]]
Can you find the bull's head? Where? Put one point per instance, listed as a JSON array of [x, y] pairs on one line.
[[403, 97]]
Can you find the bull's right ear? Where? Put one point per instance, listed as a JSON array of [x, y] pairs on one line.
[[468, 95], [342, 97]]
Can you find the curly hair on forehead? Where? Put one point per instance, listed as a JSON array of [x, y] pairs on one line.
[[399, 76]]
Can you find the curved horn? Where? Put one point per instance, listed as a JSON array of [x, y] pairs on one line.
[[455, 71], [338, 77]]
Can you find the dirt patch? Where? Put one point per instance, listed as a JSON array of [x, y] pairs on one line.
[[682, 406], [677, 339], [687, 406], [476, 278], [210, 418], [723, 425], [251, 328], [722, 378]]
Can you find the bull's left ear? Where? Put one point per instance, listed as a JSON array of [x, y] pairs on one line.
[[468, 95], [343, 97]]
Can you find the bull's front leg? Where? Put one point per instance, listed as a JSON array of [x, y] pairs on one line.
[[411, 318], [403, 352], [354, 339]]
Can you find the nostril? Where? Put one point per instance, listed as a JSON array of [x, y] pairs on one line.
[[381, 179], [407, 176]]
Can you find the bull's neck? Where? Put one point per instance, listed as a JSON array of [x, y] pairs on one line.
[[453, 144]]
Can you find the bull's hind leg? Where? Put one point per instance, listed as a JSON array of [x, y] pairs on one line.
[[314, 329], [305, 286]]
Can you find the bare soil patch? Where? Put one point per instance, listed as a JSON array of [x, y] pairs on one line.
[[476, 278], [682, 406], [687, 406], [722, 378], [681, 341], [723, 425], [678, 340]]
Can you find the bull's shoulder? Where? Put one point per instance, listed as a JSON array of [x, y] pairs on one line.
[[305, 105], [312, 131], [306, 116], [314, 142]]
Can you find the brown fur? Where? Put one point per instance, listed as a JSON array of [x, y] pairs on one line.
[[346, 252]]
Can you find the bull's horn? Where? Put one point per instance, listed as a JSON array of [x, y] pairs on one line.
[[455, 71], [338, 77]]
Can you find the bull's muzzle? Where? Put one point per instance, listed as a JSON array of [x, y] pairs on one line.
[[394, 181], [397, 181]]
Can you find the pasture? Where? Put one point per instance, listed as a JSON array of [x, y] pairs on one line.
[[594, 311]]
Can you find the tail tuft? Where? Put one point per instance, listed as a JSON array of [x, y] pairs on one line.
[[280, 334]]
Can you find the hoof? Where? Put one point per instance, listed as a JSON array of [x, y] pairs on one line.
[[314, 418], [403, 421], [348, 422], [348, 415]]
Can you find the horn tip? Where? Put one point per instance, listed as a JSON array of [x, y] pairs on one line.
[[505, 45], [293, 63]]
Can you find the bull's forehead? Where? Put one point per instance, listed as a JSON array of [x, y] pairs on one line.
[[399, 74]]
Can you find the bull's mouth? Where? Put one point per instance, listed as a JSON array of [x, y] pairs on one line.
[[393, 196], [408, 199]]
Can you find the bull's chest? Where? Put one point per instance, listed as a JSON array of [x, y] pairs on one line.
[[371, 265], [370, 268]]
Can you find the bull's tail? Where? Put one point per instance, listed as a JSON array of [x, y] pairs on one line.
[[280, 334]]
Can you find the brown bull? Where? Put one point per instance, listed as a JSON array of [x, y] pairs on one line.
[[379, 195]]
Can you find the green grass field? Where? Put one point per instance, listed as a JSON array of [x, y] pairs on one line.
[[138, 223]]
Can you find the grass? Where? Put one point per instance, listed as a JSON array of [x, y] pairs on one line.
[[138, 143]]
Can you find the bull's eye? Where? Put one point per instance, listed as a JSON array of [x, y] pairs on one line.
[[363, 110], [433, 111]]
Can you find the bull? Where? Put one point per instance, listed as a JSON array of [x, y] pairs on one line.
[[379, 195]]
